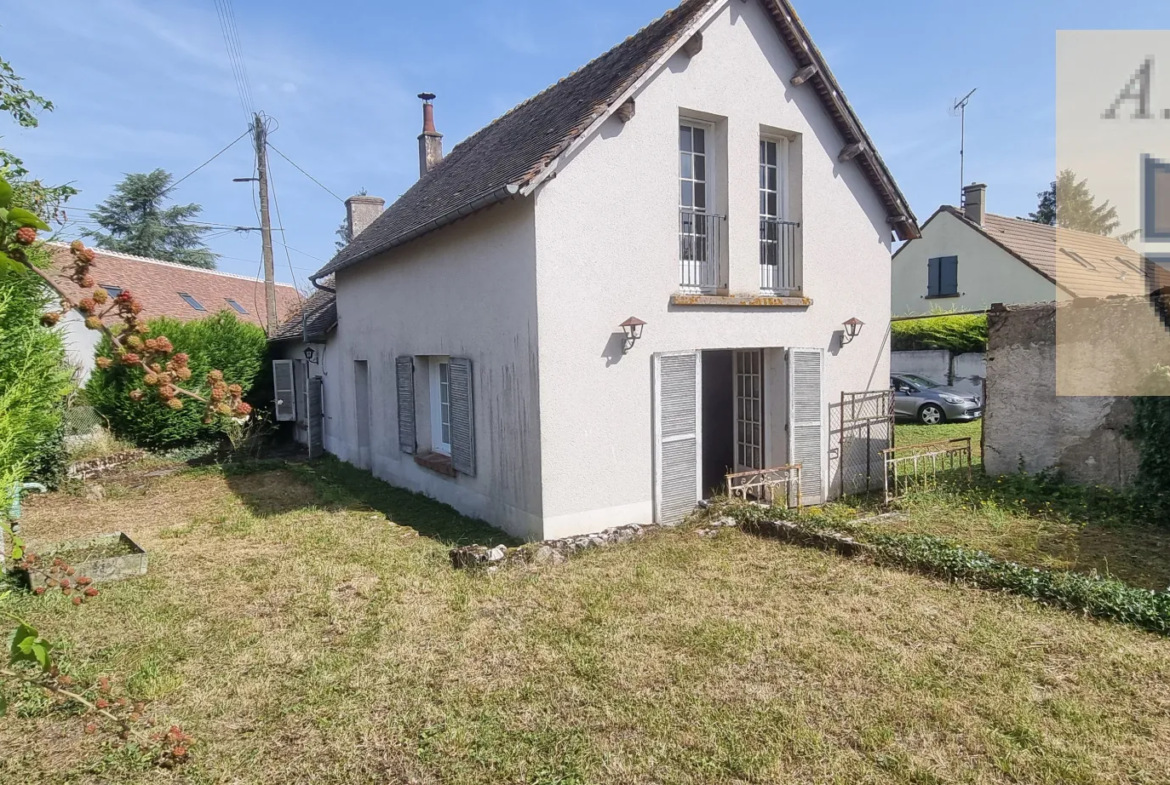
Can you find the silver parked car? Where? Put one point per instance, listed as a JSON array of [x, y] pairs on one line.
[[931, 403]]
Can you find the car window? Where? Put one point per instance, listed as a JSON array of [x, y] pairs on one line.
[[922, 381]]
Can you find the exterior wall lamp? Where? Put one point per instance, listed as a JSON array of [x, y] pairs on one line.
[[852, 329], [632, 327], [310, 353]]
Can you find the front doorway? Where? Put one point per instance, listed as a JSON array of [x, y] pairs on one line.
[[733, 426], [732, 410]]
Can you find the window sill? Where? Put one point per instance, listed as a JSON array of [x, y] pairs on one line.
[[740, 300], [942, 296], [436, 462]]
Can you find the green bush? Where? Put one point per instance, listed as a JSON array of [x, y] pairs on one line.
[[239, 349], [1150, 432], [959, 334], [34, 381]]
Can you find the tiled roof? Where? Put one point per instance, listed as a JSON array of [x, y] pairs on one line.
[[1083, 264], [499, 160], [320, 315], [158, 284]]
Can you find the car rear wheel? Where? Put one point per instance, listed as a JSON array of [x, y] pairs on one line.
[[930, 414]]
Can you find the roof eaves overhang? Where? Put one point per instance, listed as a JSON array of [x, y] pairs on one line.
[[805, 53]]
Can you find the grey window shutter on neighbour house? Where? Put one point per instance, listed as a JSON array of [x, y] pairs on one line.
[[404, 371], [948, 275], [462, 416], [285, 390], [932, 277], [677, 446], [806, 420]]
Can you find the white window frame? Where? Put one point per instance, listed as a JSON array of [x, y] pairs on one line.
[[440, 410], [710, 178], [782, 169]]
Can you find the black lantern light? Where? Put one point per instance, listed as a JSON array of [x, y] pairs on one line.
[[310, 353], [632, 327], [852, 329]]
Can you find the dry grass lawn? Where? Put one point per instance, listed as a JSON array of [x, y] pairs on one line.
[[302, 633]]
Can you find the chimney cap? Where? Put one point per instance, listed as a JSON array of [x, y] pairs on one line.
[[428, 97]]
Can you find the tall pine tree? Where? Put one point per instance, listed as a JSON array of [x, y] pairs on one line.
[[136, 220], [1068, 204]]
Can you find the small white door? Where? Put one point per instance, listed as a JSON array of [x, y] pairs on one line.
[[806, 424], [749, 410], [678, 448]]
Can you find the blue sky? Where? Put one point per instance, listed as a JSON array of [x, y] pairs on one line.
[[141, 84]]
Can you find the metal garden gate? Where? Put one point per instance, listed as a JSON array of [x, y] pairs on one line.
[[864, 426]]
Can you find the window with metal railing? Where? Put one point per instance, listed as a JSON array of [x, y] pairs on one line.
[[779, 238], [698, 227]]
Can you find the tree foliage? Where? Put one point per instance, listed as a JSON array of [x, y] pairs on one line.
[[136, 220], [1150, 432], [33, 382], [1068, 204]]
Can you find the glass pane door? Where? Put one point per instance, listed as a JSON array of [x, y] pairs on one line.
[[749, 410]]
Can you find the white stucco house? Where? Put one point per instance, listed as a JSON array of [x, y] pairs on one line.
[[706, 177], [968, 259]]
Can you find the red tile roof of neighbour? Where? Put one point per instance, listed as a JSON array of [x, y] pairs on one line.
[[514, 151], [158, 285]]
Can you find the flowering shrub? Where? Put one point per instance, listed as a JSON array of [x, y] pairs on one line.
[[223, 342]]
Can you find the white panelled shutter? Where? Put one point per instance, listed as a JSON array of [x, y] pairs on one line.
[[678, 448], [806, 423], [285, 393]]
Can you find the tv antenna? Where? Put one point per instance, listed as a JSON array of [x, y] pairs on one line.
[[961, 107]]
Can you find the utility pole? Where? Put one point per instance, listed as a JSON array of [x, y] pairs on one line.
[[961, 107], [261, 132]]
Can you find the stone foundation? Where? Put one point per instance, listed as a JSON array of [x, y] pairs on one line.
[[546, 552]]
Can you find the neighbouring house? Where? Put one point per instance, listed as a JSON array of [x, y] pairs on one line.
[[968, 259], [669, 265], [164, 289]]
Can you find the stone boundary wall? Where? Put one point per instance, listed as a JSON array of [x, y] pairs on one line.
[[96, 467], [1058, 377]]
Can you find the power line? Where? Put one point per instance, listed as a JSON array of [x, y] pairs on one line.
[[306, 174], [231, 41], [209, 160]]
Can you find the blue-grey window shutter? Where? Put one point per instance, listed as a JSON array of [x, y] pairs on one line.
[[462, 416], [404, 367], [949, 275], [932, 280]]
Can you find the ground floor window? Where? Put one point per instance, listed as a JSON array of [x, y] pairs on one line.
[[441, 404]]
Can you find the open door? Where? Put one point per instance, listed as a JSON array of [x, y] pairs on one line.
[[678, 448], [806, 420]]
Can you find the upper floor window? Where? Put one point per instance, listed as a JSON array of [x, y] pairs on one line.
[[692, 147], [779, 271], [943, 277], [698, 226], [112, 291], [235, 305]]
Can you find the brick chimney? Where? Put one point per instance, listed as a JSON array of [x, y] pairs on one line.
[[430, 141], [975, 202], [360, 212]]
